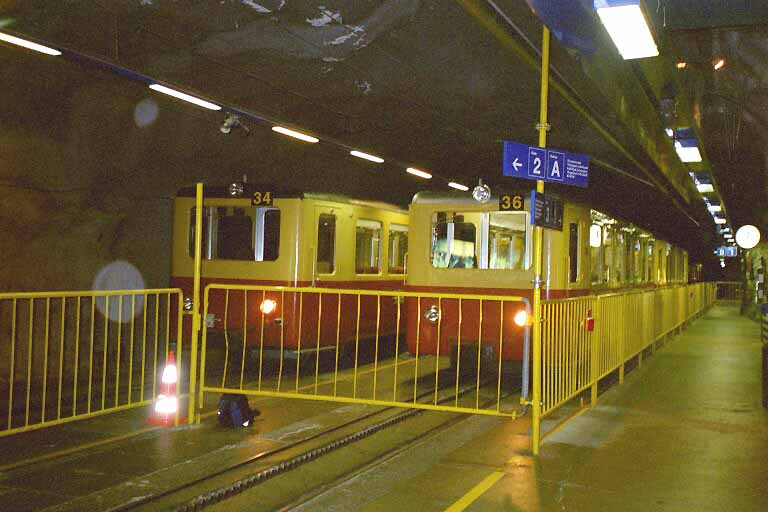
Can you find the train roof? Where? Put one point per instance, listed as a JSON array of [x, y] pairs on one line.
[[287, 192]]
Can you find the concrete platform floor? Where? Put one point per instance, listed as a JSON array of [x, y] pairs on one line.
[[686, 431]]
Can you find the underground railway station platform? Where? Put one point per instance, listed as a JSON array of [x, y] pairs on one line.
[[685, 431]]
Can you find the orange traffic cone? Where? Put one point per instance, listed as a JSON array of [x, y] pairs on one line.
[[167, 403]]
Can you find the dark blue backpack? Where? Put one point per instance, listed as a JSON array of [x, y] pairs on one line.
[[234, 411]]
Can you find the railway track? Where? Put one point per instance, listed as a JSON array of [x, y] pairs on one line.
[[235, 479]]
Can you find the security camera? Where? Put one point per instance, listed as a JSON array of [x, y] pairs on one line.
[[231, 121]]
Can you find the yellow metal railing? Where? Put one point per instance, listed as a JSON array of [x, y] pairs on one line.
[[625, 324], [350, 346], [65, 356]]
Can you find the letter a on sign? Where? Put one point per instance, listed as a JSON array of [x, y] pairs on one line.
[[555, 165]]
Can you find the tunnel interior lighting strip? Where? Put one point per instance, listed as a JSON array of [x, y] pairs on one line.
[[28, 44], [184, 96], [295, 134], [366, 156], [419, 173]]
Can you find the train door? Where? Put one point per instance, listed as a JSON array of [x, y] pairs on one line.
[[325, 240]]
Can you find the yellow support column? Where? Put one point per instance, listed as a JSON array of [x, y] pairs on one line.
[[195, 303], [537, 250]]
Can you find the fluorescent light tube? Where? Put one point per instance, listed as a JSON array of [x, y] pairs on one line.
[[417, 172], [28, 44], [366, 156], [720, 220], [629, 30], [687, 154], [458, 186], [184, 96], [714, 208], [705, 187], [295, 134]]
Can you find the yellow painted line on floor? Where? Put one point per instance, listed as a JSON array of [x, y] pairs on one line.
[[494, 477], [475, 492]]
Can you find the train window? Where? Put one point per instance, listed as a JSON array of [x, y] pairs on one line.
[[368, 247], [573, 252], [453, 241], [326, 243], [502, 240], [506, 241], [398, 247], [232, 233], [608, 245], [596, 252]]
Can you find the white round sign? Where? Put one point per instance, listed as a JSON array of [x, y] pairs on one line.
[[747, 236]]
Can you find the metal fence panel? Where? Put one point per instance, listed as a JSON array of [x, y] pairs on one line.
[[350, 346], [71, 355]]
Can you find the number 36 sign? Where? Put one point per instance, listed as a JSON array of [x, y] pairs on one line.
[[511, 202]]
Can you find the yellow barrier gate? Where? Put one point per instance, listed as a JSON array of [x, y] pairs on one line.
[[575, 359], [386, 348], [729, 292], [65, 356]]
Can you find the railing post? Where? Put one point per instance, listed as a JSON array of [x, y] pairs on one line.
[[195, 304], [593, 356]]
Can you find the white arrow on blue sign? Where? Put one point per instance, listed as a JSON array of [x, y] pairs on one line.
[[534, 163]]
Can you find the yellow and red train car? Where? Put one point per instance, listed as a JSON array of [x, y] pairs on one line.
[[461, 246], [256, 235]]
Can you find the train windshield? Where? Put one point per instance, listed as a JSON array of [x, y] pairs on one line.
[[495, 240], [234, 233]]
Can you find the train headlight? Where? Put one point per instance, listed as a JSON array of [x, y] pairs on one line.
[[268, 306], [521, 318], [432, 314]]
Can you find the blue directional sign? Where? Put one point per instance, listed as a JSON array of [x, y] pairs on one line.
[[534, 163]]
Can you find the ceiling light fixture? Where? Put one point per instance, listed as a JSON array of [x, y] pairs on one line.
[[719, 64], [626, 24], [720, 220], [28, 44], [714, 208], [295, 134], [747, 236], [705, 188], [682, 65], [366, 156], [184, 96], [458, 186], [419, 173], [688, 151]]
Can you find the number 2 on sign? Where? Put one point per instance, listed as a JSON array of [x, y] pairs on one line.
[[507, 202], [261, 198], [536, 165]]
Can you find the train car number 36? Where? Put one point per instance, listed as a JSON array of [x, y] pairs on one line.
[[510, 202]]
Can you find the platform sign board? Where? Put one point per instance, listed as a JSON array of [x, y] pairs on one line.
[[546, 211], [534, 163], [727, 251]]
